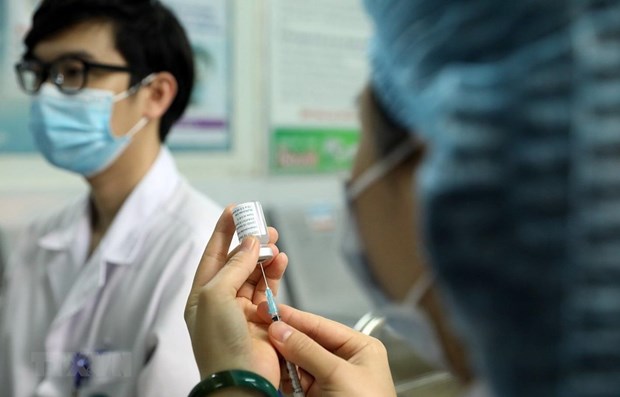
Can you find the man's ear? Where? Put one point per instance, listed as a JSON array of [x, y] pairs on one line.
[[160, 94]]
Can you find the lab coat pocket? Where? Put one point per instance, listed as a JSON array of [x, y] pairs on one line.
[[110, 374]]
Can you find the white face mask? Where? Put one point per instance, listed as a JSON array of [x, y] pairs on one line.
[[410, 322], [407, 319]]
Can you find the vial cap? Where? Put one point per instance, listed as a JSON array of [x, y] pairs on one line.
[[265, 253]]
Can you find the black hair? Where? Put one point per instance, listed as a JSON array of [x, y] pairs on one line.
[[147, 34]]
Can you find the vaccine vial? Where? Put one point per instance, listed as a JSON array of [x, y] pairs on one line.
[[250, 221]]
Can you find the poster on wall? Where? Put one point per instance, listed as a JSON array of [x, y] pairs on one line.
[[206, 123], [14, 104], [318, 66], [14, 23], [4, 33]]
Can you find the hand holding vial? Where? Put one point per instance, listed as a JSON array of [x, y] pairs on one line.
[[232, 326], [221, 312]]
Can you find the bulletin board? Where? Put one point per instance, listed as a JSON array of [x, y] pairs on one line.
[[206, 123], [317, 68]]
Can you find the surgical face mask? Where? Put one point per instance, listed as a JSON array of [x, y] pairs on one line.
[[73, 131], [407, 319]]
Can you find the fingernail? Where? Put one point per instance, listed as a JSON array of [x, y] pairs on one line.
[[281, 331], [248, 243]]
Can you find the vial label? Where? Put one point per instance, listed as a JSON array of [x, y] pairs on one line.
[[250, 221]]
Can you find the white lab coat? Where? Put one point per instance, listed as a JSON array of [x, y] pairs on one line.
[[122, 307]]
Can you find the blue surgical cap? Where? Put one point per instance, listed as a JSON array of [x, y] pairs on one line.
[[519, 104]]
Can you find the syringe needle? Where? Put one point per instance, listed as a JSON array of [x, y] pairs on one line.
[[262, 269], [298, 391], [271, 301]]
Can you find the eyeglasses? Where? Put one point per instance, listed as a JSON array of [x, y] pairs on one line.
[[69, 74]]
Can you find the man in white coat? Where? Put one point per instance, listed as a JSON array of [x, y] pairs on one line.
[[94, 294]]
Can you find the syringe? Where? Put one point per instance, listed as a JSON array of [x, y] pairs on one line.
[[250, 221], [291, 368]]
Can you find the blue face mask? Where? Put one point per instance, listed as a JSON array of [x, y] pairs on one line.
[[73, 131]]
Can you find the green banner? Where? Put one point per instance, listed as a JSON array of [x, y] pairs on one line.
[[298, 150]]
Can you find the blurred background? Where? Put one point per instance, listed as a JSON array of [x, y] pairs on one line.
[[273, 118]]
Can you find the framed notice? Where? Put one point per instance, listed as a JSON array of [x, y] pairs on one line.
[[206, 123], [317, 67]]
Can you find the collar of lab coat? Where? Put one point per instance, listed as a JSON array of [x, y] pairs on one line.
[[124, 238]]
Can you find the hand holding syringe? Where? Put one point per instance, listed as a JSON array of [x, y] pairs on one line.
[[250, 221]]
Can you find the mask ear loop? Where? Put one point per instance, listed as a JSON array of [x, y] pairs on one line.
[[420, 287], [132, 90], [137, 127], [380, 169]]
